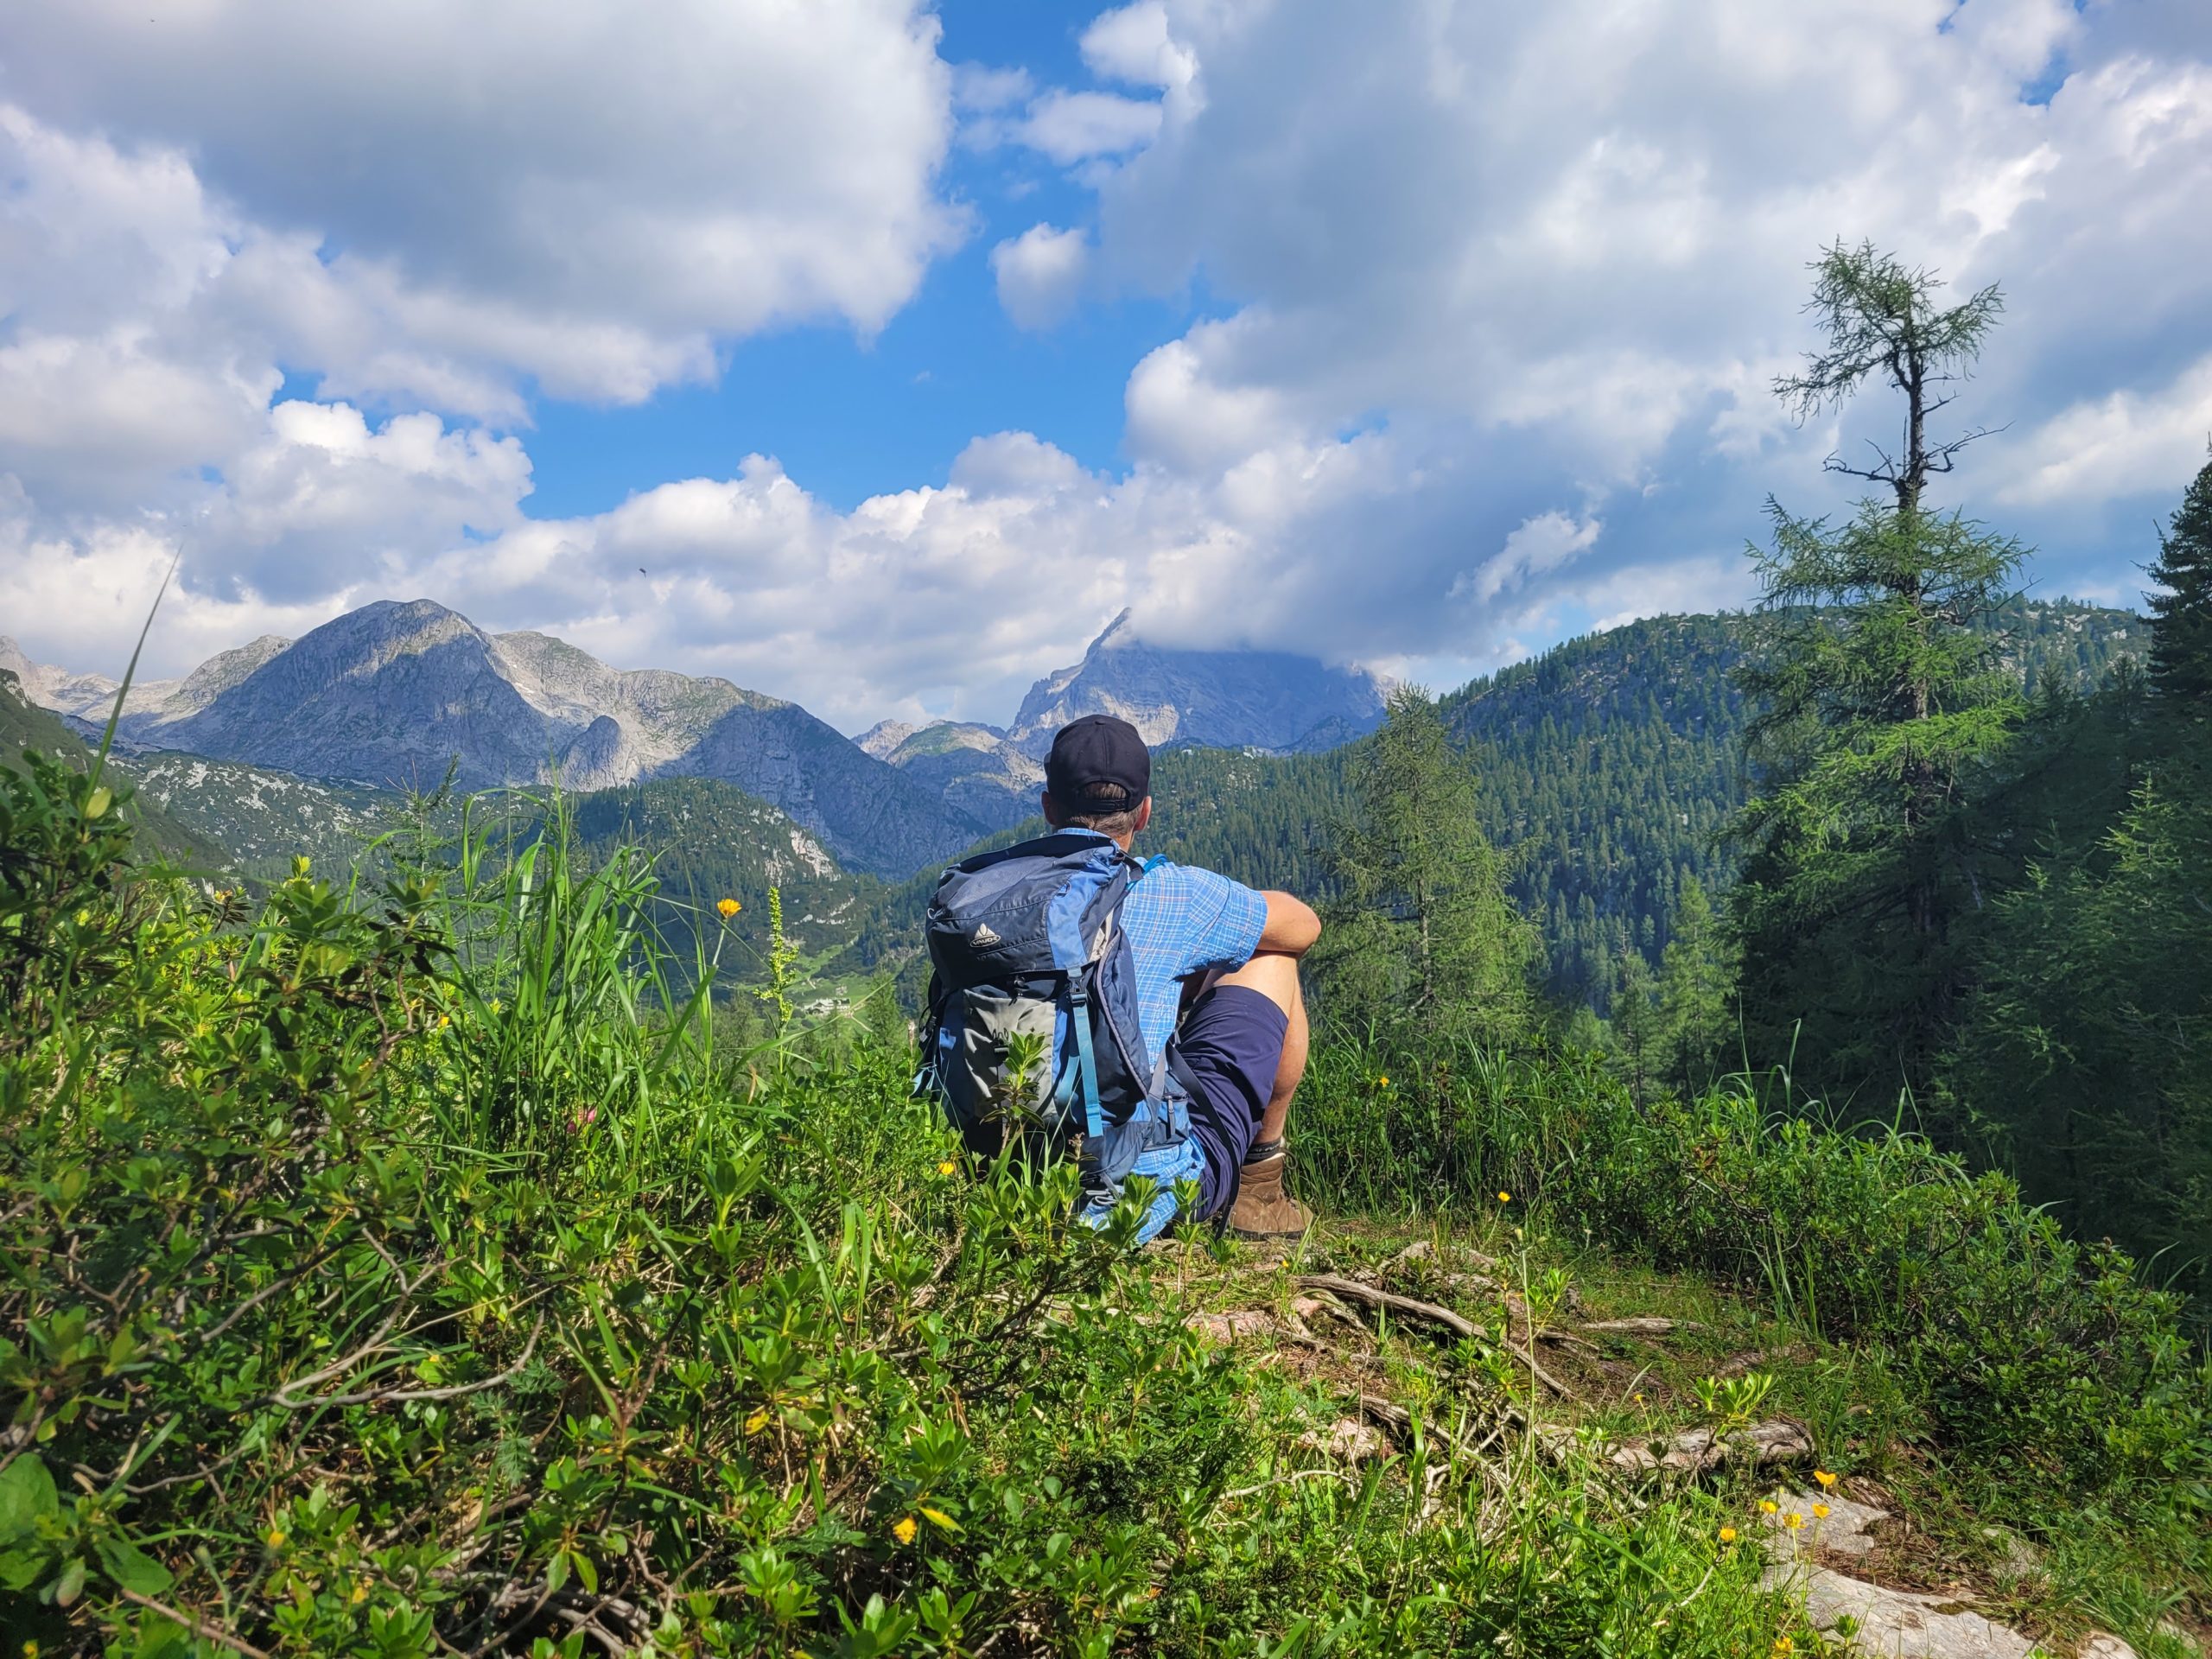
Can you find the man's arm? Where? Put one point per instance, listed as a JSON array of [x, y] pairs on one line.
[[1290, 928]]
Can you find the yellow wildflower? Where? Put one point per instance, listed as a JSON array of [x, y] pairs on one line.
[[1793, 1519], [1504, 1197], [903, 1528], [946, 1167], [729, 907], [1768, 1506], [1783, 1644], [1824, 1476], [1820, 1511], [1727, 1535], [275, 1538], [1383, 1083]]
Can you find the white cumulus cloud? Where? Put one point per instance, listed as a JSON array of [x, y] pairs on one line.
[[1482, 307], [1078, 126], [590, 197], [1039, 274]]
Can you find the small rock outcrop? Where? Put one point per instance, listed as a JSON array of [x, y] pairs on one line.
[[1898, 1623]]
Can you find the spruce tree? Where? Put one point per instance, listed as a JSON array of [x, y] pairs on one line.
[[1881, 704], [1424, 941], [1697, 992], [1639, 1028], [2180, 625]]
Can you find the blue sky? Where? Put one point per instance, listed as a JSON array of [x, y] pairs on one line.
[[875, 354], [856, 416]]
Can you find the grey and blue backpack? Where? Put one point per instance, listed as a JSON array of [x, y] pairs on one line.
[[1032, 1036]]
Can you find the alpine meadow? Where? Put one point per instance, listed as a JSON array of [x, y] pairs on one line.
[[1653, 754]]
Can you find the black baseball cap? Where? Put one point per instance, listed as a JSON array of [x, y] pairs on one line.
[[1098, 764]]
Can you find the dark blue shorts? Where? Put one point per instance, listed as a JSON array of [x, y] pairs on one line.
[[1231, 1045]]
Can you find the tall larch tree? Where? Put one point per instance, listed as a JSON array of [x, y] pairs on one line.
[[1879, 701]]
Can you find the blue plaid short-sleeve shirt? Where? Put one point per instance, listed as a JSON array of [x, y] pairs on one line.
[[1181, 920]]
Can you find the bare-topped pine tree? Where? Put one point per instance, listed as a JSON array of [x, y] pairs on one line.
[[1881, 317], [1880, 699]]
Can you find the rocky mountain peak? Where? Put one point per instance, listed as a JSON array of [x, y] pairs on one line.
[[1229, 699], [880, 740]]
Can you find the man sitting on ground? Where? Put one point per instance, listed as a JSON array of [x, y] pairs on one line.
[[1215, 960]]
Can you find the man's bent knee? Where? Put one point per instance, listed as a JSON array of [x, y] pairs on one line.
[[1272, 976]]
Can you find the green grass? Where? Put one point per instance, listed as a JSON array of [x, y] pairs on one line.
[[426, 1270]]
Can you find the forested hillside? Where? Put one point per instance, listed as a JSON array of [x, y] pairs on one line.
[[1609, 767], [710, 841]]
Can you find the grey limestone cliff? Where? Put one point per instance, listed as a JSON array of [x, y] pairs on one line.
[[1268, 700]]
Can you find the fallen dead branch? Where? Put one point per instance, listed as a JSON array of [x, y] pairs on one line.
[[1405, 1306]]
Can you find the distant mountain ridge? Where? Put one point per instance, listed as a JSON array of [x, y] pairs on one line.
[[391, 694], [396, 692]]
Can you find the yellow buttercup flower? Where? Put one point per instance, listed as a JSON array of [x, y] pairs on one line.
[[946, 1167], [1793, 1519], [1504, 1197], [903, 1528], [1820, 1511], [729, 907], [1768, 1506], [1783, 1644], [1383, 1083], [1824, 1476], [1727, 1535]]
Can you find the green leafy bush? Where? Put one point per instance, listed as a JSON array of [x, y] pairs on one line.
[[404, 1273], [2037, 1354]]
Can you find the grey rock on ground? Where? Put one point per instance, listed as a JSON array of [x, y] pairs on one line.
[[1348, 1440], [1842, 1531], [1698, 1448], [1231, 1328], [1896, 1623]]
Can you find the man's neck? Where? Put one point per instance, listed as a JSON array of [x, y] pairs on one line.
[[1125, 842]]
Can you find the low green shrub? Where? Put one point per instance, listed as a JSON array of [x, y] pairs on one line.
[[381, 1284], [2040, 1357]]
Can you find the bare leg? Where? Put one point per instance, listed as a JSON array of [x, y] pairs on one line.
[[1276, 977]]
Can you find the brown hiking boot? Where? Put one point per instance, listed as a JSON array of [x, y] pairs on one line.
[[1263, 1208]]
